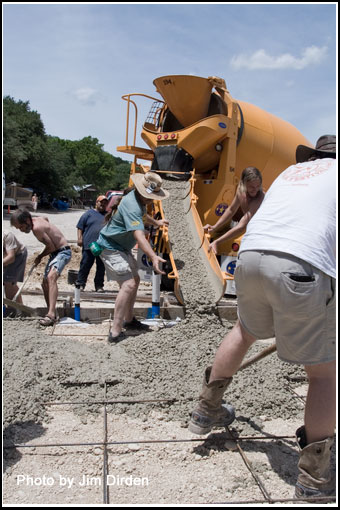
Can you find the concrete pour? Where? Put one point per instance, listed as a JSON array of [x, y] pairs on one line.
[[168, 363]]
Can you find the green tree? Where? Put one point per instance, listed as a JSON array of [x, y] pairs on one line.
[[120, 178], [58, 172], [24, 139], [93, 165], [53, 165], [87, 156], [114, 173]]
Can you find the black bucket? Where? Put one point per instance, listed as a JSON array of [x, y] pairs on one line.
[[72, 276]]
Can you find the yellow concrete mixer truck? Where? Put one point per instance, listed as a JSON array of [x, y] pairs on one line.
[[199, 134]]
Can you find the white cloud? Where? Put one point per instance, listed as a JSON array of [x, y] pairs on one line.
[[86, 95], [261, 60]]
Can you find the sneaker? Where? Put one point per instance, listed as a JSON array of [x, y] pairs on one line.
[[100, 289], [80, 286], [135, 324], [115, 339]]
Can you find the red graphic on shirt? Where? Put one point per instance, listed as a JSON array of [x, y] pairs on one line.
[[303, 171]]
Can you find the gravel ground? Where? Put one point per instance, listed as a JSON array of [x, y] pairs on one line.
[[168, 363], [164, 364]]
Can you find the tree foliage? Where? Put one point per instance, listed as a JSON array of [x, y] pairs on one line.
[[23, 138], [51, 165]]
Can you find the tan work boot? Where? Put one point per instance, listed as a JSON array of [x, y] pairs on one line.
[[210, 411], [314, 478]]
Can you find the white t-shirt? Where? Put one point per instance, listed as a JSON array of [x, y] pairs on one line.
[[298, 215]]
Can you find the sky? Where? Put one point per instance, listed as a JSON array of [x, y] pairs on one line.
[[74, 62]]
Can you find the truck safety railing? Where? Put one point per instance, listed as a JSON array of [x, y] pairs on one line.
[[153, 116]]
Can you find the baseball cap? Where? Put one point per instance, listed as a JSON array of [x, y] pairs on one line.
[[100, 198]]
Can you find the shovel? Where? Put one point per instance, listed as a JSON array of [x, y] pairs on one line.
[[257, 357], [21, 308], [25, 281]]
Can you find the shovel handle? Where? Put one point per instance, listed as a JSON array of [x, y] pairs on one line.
[[25, 281], [263, 354]]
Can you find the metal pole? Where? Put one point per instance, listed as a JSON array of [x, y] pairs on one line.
[[77, 303], [156, 292]]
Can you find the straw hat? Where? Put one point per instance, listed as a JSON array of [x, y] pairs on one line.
[[149, 185]]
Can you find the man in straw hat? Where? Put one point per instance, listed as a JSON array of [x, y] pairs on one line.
[[285, 285], [123, 230]]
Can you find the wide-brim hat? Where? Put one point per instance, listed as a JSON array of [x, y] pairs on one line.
[[149, 185], [326, 144]]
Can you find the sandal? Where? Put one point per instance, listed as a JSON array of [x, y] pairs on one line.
[[137, 325], [47, 321]]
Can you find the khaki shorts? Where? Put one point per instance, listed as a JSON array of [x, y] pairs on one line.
[[283, 296], [119, 265]]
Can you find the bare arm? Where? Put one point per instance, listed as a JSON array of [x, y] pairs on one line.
[[9, 258], [146, 248], [49, 235], [240, 228], [226, 216], [80, 237], [236, 231], [44, 238], [156, 223]]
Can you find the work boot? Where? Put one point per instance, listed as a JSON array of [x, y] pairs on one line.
[[210, 411], [314, 478]]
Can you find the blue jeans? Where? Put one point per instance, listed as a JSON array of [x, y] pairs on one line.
[[86, 264], [58, 259]]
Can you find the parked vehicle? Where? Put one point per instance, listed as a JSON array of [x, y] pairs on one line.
[[16, 196]]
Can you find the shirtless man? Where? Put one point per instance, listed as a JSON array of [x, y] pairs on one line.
[[58, 251], [249, 196]]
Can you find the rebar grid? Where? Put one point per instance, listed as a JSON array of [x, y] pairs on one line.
[[229, 435], [106, 494]]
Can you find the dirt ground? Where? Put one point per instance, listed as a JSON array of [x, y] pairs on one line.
[[55, 386]]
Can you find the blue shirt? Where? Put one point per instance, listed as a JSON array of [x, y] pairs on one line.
[[118, 234], [91, 224]]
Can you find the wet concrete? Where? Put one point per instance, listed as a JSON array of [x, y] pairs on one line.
[[168, 363]]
